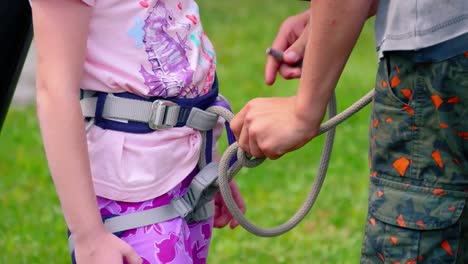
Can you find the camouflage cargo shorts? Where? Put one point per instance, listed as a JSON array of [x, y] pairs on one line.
[[418, 153]]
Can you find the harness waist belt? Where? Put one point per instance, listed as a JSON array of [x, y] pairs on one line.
[[128, 112]]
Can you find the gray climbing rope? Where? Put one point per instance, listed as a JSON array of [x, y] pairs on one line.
[[226, 172]]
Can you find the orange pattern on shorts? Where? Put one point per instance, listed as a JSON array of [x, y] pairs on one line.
[[439, 192], [437, 158], [395, 81], [408, 109], [453, 100], [401, 165], [406, 93], [446, 246], [400, 221], [420, 223], [436, 100]]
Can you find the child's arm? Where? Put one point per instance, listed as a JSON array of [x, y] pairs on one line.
[[272, 127], [61, 29]]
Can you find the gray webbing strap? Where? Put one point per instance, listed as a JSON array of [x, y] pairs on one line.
[[202, 212], [159, 114], [201, 192], [143, 218], [195, 205]]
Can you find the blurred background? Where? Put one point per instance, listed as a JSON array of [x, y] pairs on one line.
[[25, 92], [33, 229]]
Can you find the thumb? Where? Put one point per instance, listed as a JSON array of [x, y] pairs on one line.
[[130, 255], [296, 51]]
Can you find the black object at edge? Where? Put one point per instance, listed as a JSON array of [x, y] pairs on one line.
[[16, 36]]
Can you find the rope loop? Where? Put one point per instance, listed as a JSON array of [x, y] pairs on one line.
[[226, 171], [247, 160]]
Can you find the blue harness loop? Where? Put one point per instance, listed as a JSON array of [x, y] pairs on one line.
[[186, 105]]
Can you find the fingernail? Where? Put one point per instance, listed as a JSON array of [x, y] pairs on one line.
[[291, 56]]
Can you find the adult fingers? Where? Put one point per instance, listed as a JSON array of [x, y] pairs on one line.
[[243, 139], [253, 145], [294, 53], [290, 72], [281, 42], [237, 122]]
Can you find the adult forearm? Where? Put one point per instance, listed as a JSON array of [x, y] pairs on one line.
[[333, 31], [372, 10]]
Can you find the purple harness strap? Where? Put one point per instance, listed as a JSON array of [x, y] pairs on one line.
[[230, 135]]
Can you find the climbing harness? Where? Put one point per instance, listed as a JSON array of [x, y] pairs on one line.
[[131, 113], [128, 112]]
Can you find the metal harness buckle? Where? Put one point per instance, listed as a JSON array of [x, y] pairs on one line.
[[158, 115]]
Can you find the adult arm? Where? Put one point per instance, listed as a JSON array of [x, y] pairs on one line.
[[272, 127]]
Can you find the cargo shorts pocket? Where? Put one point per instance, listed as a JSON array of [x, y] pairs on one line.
[[411, 224]]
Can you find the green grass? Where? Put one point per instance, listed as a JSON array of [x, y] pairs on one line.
[[33, 229]]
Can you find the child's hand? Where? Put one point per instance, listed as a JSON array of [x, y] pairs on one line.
[[291, 38], [222, 215], [105, 248]]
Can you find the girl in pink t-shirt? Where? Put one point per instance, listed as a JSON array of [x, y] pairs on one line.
[[143, 49]]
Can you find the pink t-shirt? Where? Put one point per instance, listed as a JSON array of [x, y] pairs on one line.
[[150, 48]]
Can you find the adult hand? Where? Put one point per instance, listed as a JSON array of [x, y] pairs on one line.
[[270, 127], [292, 39], [102, 247], [222, 215]]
